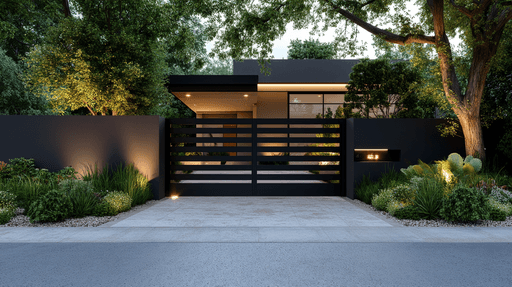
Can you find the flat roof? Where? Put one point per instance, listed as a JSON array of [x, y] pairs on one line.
[[298, 71], [233, 83]]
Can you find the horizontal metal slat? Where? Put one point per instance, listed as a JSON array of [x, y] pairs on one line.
[[299, 167], [297, 131], [257, 121], [210, 130], [212, 140], [211, 158], [211, 189], [299, 158], [298, 176], [297, 140], [211, 176], [211, 167], [298, 149], [212, 149]]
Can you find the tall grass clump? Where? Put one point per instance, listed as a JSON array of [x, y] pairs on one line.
[[429, 198], [82, 197], [26, 189], [366, 190], [124, 178], [130, 180]]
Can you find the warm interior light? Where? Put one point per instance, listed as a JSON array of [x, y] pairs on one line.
[[376, 156], [370, 156], [188, 95], [302, 87], [371, 149], [246, 95], [174, 197]]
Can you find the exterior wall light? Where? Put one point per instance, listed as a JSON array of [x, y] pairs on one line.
[[174, 197], [188, 95], [246, 95], [380, 155]]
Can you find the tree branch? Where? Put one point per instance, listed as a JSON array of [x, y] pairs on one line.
[[386, 35], [462, 9], [65, 6]]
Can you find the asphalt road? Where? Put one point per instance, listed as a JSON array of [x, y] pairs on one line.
[[256, 264]]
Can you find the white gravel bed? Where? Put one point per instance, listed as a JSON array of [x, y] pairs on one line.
[[436, 222], [21, 220]]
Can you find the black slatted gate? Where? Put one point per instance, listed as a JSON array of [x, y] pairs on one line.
[[268, 157]]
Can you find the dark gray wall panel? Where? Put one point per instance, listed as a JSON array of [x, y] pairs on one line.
[[81, 141], [298, 71], [416, 138]]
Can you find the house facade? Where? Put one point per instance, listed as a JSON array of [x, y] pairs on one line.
[[293, 89]]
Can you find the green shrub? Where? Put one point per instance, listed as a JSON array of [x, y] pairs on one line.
[[495, 206], [27, 190], [429, 198], [81, 195], [7, 200], [391, 178], [366, 190], [407, 212], [50, 207], [393, 206], [465, 204], [380, 201], [403, 193], [5, 215], [124, 178], [130, 180], [20, 167], [116, 202]]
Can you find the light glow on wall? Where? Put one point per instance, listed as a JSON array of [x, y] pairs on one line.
[[301, 87]]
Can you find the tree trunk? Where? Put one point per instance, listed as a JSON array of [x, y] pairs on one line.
[[473, 137]]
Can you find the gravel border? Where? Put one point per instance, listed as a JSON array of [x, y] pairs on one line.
[[431, 223], [21, 220]]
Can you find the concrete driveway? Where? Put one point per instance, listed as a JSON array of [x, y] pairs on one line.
[[253, 212]]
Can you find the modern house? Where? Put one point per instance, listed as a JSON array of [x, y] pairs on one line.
[[293, 89]]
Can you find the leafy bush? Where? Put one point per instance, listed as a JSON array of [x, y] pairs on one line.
[[19, 167], [393, 206], [506, 208], [465, 204], [4, 170], [131, 181], [124, 178], [380, 201], [7, 200], [114, 203], [428, 198], [366, 190], [82, 197], [50, 207], [403, 193], [27, 190], [407, 212], [5, 215]]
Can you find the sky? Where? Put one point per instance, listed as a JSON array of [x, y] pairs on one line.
[[280, 49]]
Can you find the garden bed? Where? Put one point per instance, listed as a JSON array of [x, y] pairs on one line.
[[450, 193]]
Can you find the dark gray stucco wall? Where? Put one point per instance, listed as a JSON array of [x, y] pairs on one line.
[[415, 138], [55, 142], [298, 71]]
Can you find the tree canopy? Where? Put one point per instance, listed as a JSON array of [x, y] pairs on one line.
[[249, 29], [381, 89], [311, 49]]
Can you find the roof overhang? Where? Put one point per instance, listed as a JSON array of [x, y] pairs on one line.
[[207, 83]]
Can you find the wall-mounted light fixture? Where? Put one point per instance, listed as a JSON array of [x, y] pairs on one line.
[[188, 95], [376, 154], [246, 95]]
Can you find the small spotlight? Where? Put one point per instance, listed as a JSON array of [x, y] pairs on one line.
[[246, 95], [188, 95], [174, 197]]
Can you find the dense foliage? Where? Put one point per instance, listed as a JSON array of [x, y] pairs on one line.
[[53, 196], [311, 49], [454, 189]]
